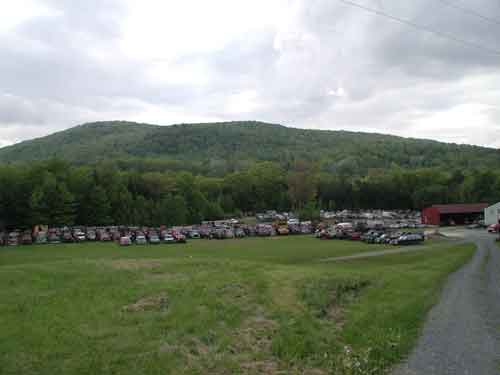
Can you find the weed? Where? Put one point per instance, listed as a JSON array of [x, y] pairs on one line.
[[158, 303], [326, 297]]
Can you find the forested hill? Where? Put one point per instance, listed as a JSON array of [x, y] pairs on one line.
[[240, 143]]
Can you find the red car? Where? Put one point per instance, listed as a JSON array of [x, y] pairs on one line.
[[494, 228], [179, 238], [356, 236], [326, 235]]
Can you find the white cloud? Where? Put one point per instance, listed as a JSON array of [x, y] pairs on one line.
[[455, 124], [165, 30], [243, 102], [339, 92], [17, 12]]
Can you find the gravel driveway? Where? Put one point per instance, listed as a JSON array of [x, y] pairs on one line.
[[461, 335]]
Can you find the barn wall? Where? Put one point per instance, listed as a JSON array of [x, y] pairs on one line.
[[492, 214], [431, 216]]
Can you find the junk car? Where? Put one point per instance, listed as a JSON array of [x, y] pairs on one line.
[[103, 236], [54, 237], [153, 238], [239, 233], [41, 238], [125, 241], [26, 238], [179, 237], [409, 239], [13, 239], [194, 234], [67, 237], [79, 236], [264, 230], [168, 238], [140, 239], [91, 235]]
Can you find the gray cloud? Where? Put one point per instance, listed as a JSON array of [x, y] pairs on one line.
[[326, 65]]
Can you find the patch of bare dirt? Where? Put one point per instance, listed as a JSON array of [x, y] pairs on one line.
[[256, 334], [270, 367], [340, 298], [336, 314], [251, 350], [261, 367], [198, 348], [158, 303], [314, 371], [233, 291], [163, 277], [167, 348]]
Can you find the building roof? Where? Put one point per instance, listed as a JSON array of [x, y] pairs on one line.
[[460, 208]]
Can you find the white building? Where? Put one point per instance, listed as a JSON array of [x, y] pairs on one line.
[[492, 214]]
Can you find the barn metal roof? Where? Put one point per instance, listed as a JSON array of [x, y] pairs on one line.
[[460, 208]]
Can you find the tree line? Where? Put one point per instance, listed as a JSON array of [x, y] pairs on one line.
[[57, 193]]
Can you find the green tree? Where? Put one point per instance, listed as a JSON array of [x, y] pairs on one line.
[[96, 207], [53, 203], [302, 185]]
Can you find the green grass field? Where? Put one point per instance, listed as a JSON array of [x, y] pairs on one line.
[[254, 306]]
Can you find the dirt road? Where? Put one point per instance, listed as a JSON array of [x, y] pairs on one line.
[[462, 332]]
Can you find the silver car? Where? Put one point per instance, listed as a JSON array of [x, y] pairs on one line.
[[141, 240]]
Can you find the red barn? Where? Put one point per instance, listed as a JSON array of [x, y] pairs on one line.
[[445, 214]]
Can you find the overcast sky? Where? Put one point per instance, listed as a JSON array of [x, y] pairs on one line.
[[303, 63]]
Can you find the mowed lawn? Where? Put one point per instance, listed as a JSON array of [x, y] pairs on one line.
[[254, 306]]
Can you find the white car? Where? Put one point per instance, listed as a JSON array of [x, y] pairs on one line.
[[141, 240], [169, 238], [80, 236], [154, 239]]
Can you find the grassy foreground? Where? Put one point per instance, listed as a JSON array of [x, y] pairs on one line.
[[215, 307]]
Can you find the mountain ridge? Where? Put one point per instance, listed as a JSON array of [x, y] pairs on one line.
[[248, 141]]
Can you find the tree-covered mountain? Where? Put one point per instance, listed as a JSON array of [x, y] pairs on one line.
[[124, 173], [232, 145]]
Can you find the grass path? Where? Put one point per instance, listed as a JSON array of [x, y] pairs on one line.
[[385, 251]]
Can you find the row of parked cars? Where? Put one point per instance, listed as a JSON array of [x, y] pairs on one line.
[[394, 238], [143, 235], [225, 231], [151, 236], [372, 236], [16, 238], [122, 235], [210, 230]]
